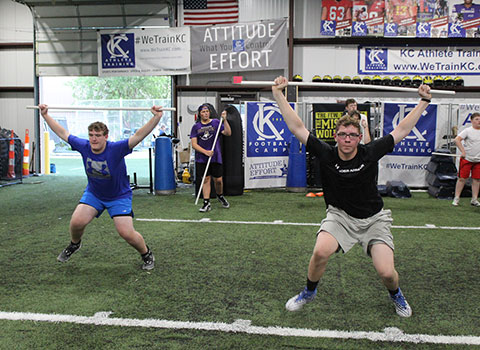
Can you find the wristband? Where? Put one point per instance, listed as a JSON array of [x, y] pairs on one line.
[[426, 100]]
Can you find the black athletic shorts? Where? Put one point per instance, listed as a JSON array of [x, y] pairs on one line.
[[214, 169]]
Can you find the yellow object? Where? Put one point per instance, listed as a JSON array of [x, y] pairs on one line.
[[186, 176], [46, 142]]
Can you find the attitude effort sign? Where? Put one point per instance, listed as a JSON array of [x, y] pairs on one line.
[[239, 47]]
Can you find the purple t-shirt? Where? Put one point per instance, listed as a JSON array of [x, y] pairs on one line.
[[205, 134], [106, 172], [468, 13]]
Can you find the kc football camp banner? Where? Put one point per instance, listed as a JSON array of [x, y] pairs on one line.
[[144, 52], [240, 47], [267, 140]]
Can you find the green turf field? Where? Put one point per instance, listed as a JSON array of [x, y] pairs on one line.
[[238, 266]]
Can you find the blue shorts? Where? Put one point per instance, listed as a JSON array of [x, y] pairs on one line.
[[117, 207]]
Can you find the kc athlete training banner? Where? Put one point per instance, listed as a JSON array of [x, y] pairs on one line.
[[240, 47], [419, 60], [409, 159], [163, 51]]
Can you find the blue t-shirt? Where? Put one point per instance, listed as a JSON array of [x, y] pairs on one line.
[[106, 172], [205, 134]]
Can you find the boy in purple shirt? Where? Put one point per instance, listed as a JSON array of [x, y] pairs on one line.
[[108, 186], [202, 135]]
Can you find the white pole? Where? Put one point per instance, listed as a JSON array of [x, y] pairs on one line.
[[351, 86], [93, 108], [208, 162], [445, 154]]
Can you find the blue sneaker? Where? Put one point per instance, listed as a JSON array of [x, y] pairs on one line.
[[401, 305], [297, 302]]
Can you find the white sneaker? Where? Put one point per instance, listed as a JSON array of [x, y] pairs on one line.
[[456, 201], [206, 207], [296, 303], [401, 305], [475, 202]]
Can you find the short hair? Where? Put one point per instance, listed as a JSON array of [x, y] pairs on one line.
[[347, 120], [349, 100], [99, 127], [474, 115], [354, 113]]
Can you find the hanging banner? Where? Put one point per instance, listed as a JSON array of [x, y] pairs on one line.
[[409, 159], [266, 146], [464, 19], [368, 17], [336, 18], [162, 51], [325, 116], [240, 47], [419, 60]]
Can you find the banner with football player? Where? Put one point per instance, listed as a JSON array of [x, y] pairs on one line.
[[267, 140], [401, 18], [336, 18], [464, 19], [432, 19], [368, 17]]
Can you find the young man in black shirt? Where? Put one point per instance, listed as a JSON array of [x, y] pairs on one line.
[[355, 211]]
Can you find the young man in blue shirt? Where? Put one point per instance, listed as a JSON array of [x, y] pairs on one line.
[[108, 185]]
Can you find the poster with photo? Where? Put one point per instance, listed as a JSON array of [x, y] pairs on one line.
[[432, 19], [464, 21], [368, 17], [336, 18], [401, 18]]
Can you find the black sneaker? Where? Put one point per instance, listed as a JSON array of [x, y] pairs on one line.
[[206, 207], [148, 261], [224, 202], [67, 252]]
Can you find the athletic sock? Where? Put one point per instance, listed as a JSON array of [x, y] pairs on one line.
[[148, 252], [76, 244], [393, 292], [311, 286]]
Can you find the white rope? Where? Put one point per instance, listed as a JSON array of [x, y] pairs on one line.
[[208, 162], [93, 108], [350, 86]]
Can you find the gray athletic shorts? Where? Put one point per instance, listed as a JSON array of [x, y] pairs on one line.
[[349, 230]]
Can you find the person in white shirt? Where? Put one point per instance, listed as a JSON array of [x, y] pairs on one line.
[[468, 143]]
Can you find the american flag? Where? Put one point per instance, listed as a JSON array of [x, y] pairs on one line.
[[209, 12]]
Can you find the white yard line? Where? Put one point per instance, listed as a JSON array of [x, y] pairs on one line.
[[390, 334], [280, 222]]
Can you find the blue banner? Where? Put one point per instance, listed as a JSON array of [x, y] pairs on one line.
[[421, 140], [267, 132]]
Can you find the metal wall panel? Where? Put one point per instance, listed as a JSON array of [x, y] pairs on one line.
[[66, 36], [254, 10]]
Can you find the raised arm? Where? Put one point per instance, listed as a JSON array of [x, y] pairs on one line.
[[53, 124], [141, 133], [227, 131], [366, 137], [406, 125], [292, 119]]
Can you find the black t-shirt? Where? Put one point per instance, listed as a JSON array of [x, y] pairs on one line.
[[351, 185]]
